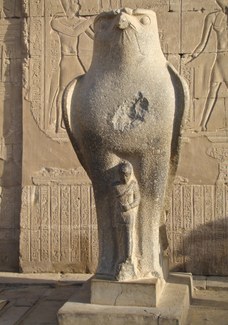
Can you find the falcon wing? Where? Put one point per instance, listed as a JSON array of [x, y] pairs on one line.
[[180, 117], [68, 104]]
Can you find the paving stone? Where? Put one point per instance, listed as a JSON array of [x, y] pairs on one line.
[[12, 315], [43, 313], [41, 278], [3, 303], [209, 308], [62, 293], [199, 282], [38, 304], [207, 317], [217, 283], [210, 299]]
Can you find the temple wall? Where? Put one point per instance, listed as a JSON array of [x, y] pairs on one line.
[[47, 210], [11, 57]]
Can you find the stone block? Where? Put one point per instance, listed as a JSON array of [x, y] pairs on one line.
[[217, 283], [199, 6], [86, 314], [9, 254], [199, 282], [174, 5], [182, 278], [144, 293], [172, 309], [169, 31]]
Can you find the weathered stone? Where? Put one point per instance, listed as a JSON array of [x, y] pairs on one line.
[[130, 177], [28, 42], [145, 293], [172, 309]]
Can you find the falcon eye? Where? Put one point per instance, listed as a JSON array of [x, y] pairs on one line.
[[145, 20]]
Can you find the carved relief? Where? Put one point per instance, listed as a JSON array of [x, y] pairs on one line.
[[221, 154], [192, 207], [198, 229], [60, 51], [127, 201], [49, 176], [215, 23], [95, 7], [58, 43], [58, 229], [218, 152], [68, 28]]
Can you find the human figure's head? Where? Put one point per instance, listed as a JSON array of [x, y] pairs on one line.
[[223, 4], [71, 7], [125, 170]]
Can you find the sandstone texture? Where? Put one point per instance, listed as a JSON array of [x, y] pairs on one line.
[[37, 195]]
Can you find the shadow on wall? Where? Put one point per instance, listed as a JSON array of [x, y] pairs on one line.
[[10, 133], [204, 251]]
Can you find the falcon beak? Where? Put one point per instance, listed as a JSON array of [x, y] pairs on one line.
[[122, 22]]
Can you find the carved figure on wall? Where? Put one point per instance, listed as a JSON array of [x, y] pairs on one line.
[[69, 28], [129, 107], [217, 22], [127, 201]]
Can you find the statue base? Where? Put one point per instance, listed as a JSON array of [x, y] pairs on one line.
[[139, 293], [137, 302]]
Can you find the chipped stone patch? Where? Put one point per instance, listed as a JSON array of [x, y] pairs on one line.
[[131, 113]]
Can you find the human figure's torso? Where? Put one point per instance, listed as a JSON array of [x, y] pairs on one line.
[[220, 26], [69, 44], [125, 193]]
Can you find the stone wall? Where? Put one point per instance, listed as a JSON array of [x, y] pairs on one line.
[[58, 229], [11, 56]]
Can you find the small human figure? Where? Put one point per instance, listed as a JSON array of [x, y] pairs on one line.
[[69, 28], [127, 201], [217, 22]]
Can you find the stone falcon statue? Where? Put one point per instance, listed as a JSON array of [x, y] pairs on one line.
[[124, 119]]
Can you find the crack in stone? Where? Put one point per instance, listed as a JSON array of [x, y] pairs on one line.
[[118, 295]]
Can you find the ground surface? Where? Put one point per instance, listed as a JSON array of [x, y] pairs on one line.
[[209, 308], [35, 299]]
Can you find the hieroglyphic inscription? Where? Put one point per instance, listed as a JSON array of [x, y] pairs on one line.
[[54, 223], [208, 204], [59, 228], [177, 208], [193, 207], [220, 153], [75, 234], [36, 219], [177, 226], [25, 224], [68, 235], [187, 208], [94, 233], [200, 245], [45, 224], [65, 223], [35, 8]]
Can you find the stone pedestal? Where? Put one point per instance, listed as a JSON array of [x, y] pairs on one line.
[[140, 302], [140, 293]]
